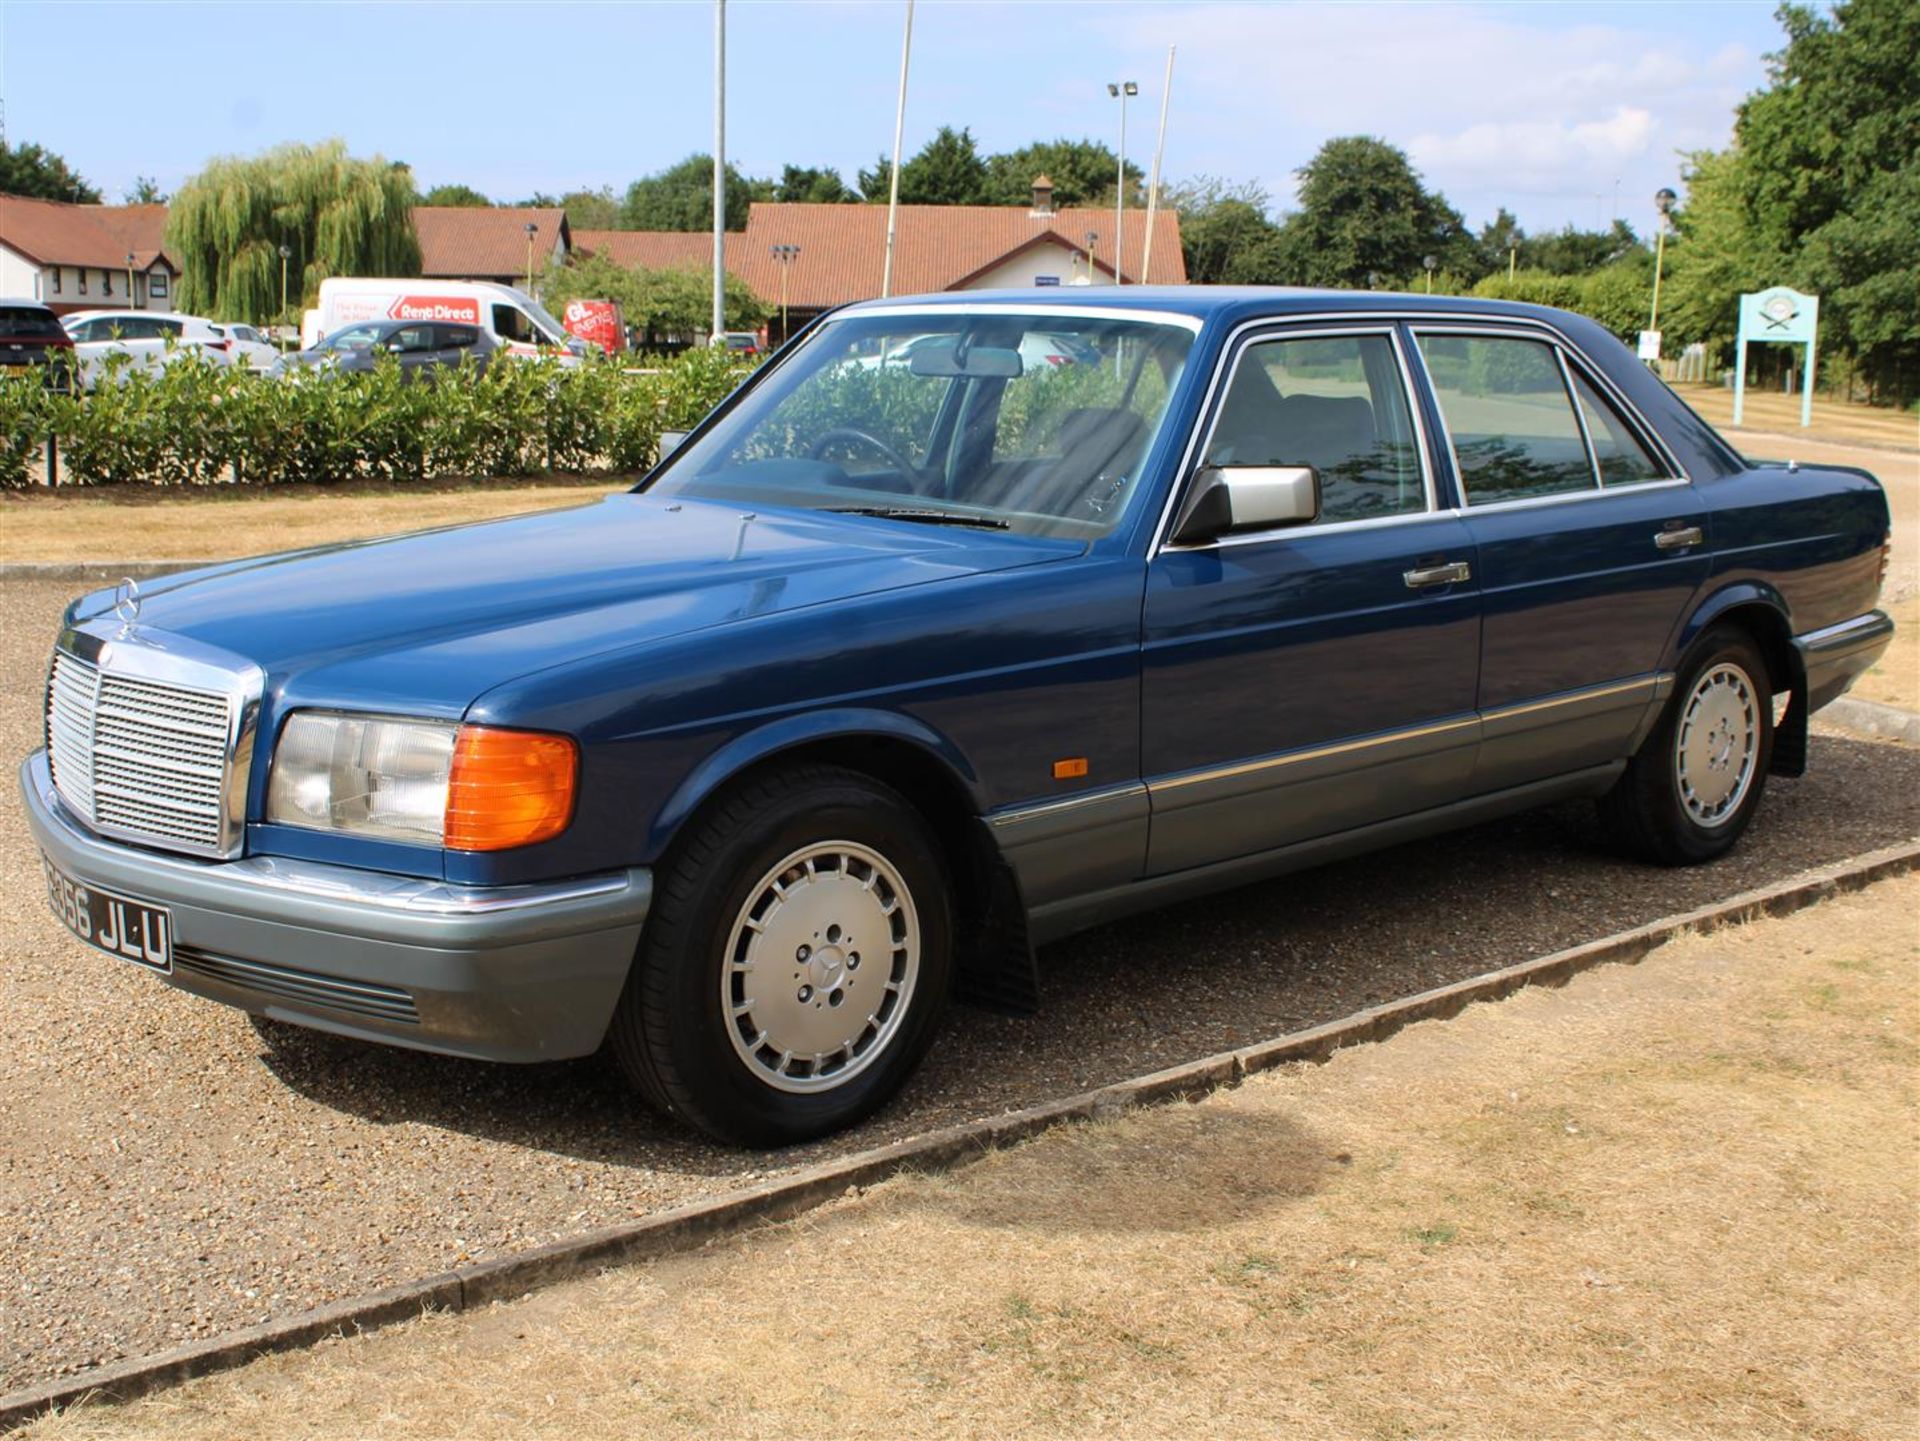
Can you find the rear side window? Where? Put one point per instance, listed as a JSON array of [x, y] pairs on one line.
[[1509, 416], [1617, 451], [1336, 403], [23, 322]]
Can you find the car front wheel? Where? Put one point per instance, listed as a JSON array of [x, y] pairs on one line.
[[795, 963]]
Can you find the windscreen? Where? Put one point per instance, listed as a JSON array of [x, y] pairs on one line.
[[1037, 423]]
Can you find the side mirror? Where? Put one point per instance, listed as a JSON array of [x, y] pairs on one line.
[[670, 441], [1228, 498]]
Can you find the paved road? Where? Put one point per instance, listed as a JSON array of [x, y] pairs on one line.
[[165, 1176]]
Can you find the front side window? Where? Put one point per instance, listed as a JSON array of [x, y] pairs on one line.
[[411, 339], [1336, 403], [951, 417], [1505, 403], [354, 337]]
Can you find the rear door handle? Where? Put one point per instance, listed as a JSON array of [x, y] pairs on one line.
[[1452, 573], [1679, 539]]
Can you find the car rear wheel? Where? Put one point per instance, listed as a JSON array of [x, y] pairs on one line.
[[1692, 788], [795, 963]]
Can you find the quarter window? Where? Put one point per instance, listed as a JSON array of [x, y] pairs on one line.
[[1336, 403], [1505, 402], [1619, 454]]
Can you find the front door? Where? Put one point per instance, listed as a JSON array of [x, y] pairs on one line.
[[1307, 681]]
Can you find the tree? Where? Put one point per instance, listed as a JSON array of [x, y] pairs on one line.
[[1082, 172], [1225, 235], [337, 214], [39, 174], [592, 209], [458, 195], [947, 170], [662, 303], [1363, 212], [1577, 252], [807, 183], [681, 197], [145, 190]]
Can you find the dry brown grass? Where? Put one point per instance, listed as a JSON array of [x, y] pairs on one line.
[[215, 523], [1832, 419], [1672, 1200]]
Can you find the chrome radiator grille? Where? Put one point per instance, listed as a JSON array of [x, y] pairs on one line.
[[139, 758]]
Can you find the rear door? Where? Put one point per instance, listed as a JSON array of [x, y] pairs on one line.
[[1310, 680], [1590, 544]]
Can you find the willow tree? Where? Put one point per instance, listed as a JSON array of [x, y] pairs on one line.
[[336, 215]]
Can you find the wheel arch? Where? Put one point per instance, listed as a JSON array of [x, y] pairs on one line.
[[1761, 611], [995, 965]]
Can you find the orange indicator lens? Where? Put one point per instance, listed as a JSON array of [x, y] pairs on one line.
[[1070, 769], [509, 788]]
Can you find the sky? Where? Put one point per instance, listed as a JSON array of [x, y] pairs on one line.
[[1565, 113]]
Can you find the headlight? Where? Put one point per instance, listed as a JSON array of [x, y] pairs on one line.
[[475, 788]]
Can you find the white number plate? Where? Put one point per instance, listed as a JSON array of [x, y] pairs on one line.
[[118, 925]]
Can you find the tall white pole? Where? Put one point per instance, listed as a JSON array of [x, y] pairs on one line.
[[719, 170], [1153, 185], [1120, 201], [899, 123]]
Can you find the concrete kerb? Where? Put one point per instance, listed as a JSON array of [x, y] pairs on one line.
[[686, 1227], [1871, 718]]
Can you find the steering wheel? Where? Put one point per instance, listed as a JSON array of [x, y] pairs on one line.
[[825, 439]]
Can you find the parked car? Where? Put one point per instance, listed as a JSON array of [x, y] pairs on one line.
[[517, 324], [152, 340], [422, 349], [248, 346], [31, 338], [883, 677], [744, 343]]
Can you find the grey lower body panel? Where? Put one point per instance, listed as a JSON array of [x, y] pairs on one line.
[[523, 973], [1835, 657]]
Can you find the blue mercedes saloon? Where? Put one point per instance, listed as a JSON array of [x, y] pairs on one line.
[[968, 621]]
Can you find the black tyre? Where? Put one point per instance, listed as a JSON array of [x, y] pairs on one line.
[[1693, 786], [795, 962]]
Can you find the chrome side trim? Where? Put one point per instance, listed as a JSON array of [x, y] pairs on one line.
[[1298, 757], [1641, 689], [1007, 820]]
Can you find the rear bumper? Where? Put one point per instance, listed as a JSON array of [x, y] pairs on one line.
[[515, 973], [1834, 656]]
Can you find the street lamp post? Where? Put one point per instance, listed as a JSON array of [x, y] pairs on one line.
[[1663, 200], [286, 252], [1430, 264], [531, 228], [1122, 91], [786, 255]]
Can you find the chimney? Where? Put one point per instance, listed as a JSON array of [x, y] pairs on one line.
[[1042, 197]]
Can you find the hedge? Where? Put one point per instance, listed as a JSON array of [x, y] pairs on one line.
[[194, 423]]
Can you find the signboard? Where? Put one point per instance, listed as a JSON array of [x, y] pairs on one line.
[[597, 322], [1779, 315], [1046, 280], [1649, 345], [452, 309]]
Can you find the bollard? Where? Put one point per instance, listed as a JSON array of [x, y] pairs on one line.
[[53, 461]]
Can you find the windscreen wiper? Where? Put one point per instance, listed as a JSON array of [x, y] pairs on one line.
[[925, 517]]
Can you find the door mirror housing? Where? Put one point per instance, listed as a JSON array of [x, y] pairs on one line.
[[1228, 498]]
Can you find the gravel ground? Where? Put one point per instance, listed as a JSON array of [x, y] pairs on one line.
[[165, 1176]]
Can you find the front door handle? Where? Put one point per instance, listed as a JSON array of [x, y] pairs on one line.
[[1680, 538], [1451, 573]]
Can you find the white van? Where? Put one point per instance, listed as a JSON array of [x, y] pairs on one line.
[[515, 319]]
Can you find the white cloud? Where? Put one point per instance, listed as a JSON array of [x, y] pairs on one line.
[[1512, 105]]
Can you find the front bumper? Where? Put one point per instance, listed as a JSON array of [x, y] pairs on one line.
[[1835, 656], [510, 973]]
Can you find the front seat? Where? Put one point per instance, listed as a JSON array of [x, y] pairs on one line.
[[1099, 449]]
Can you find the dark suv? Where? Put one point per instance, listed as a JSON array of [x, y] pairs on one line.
[[30, 335]]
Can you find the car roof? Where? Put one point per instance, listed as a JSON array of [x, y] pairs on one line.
[[23, 303], [1209, 303]]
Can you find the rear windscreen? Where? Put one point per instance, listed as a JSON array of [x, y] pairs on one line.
[[20, 323]]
